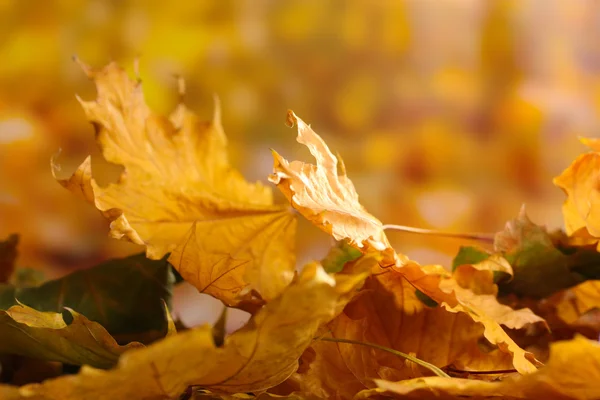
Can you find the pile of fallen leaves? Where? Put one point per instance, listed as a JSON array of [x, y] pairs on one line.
[[516, 318]]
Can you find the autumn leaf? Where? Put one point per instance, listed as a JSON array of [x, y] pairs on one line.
[[387, 312], [46, 335], [571, 373], [579, 182], [119, 297], [178, 194], [541, 264], [324, 195], [435, 282], [260, 355], [126, 296], [8, 255]]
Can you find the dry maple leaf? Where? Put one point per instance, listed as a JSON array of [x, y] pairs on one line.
[[45, 335], [571, 373], [579, 181], [578, 307], [179, 194], [439, 285], [260, 355], [324, 195], [388, 312]]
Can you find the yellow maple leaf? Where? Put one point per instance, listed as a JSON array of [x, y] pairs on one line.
[[324, 195], [437, 283], [260, 355], [45, 335], [581, 209], [388, 312], [572, 305], [571, 373], [178, 194]]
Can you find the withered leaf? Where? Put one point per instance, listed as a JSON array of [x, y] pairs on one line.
[[571, 373], [46, 335], [260, 355], [178, 194], [581, 209], [387, 312], [542, 267], [324, 195]]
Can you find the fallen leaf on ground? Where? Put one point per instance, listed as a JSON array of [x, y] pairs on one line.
[[581, 210], [46, 335], [178, 194], [571, 373], [387, 312], [126, 296], [435, 282], [260, 355], [576, 301]]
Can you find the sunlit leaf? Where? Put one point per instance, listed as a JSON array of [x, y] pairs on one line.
[[179, 195]]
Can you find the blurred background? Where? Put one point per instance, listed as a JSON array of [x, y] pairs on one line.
[[449, 114]]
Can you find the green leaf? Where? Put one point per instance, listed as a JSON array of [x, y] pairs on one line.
[[540, 267], [428, 301], [338, 256], [124, 295], [469, 255], [8, 255]]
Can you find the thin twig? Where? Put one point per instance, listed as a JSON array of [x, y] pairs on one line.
[[422, 363], [481, 237]]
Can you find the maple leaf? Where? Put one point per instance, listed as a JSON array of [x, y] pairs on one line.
[[387, 312], [542, 264], [46, 335], [8, 255], [474, 287], [324, 195], [127, 296], [178, 194], [260, 355], [571, 373], [581, 209], [435, 282]]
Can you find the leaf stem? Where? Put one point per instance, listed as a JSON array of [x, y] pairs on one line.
[[422, 363], [481, 237], [492, 372]]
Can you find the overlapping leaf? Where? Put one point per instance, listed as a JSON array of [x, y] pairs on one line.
[[258, 356], [388, 312], [126, 296], [326, 196], [179, 195], [581, 209], [46, 335], [571, 373]]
